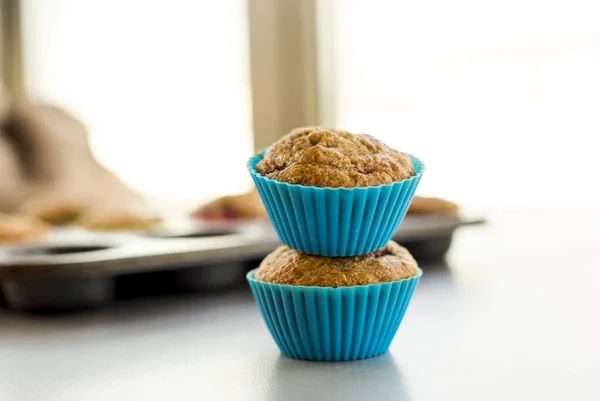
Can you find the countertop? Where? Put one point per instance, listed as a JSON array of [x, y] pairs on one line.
[[512, 315]]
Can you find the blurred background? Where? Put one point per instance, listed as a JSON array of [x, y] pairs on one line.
[[502, 107], [125, 127]]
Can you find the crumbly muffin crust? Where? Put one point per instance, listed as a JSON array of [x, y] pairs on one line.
[[288, 266], [126, 217], [322, 157]]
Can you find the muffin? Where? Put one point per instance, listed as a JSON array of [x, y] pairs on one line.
[[134, 217], [424, 205], [246, 206], [21, 229], [288, 266], [54, 210], [322, 157], [334, 309], [334, 193]]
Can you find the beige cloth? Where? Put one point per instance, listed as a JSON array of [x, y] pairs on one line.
[[50, 172]]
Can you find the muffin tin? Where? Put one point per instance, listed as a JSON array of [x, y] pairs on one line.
[[78, 269]]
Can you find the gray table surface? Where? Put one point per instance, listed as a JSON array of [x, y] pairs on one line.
[[514, 315]]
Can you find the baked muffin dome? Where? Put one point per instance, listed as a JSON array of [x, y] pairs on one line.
[[321, 157], [288, 266]]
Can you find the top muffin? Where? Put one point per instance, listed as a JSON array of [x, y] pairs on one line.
[[322, 157]]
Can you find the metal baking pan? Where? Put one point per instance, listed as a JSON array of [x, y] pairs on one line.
[[78, 269]]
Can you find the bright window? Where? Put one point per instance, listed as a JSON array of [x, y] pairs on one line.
[[500, 99], [162, 86]]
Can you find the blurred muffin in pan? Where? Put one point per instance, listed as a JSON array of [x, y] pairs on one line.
[[423, 205], [322, 157], [246, 206], [54, 209], [21, 229], [133, 218], [334, 309]]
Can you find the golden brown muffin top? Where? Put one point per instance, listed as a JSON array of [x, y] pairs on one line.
[[288, 266], [322, 157]]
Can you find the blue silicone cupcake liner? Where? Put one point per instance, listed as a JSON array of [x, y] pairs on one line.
[[335, 221], [333, 324]]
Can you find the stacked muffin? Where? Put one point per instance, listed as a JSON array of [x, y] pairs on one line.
[[338, 288]]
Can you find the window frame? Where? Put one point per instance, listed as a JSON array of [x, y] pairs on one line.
[[283, 67], [11, 49]]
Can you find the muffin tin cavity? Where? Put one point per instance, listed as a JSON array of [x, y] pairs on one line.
[[57, 250]]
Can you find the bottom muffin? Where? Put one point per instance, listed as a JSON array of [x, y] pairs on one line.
[[21, 229], [343, 309]]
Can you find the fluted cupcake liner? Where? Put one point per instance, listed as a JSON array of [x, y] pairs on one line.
[[333, 324], [335, 221]]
